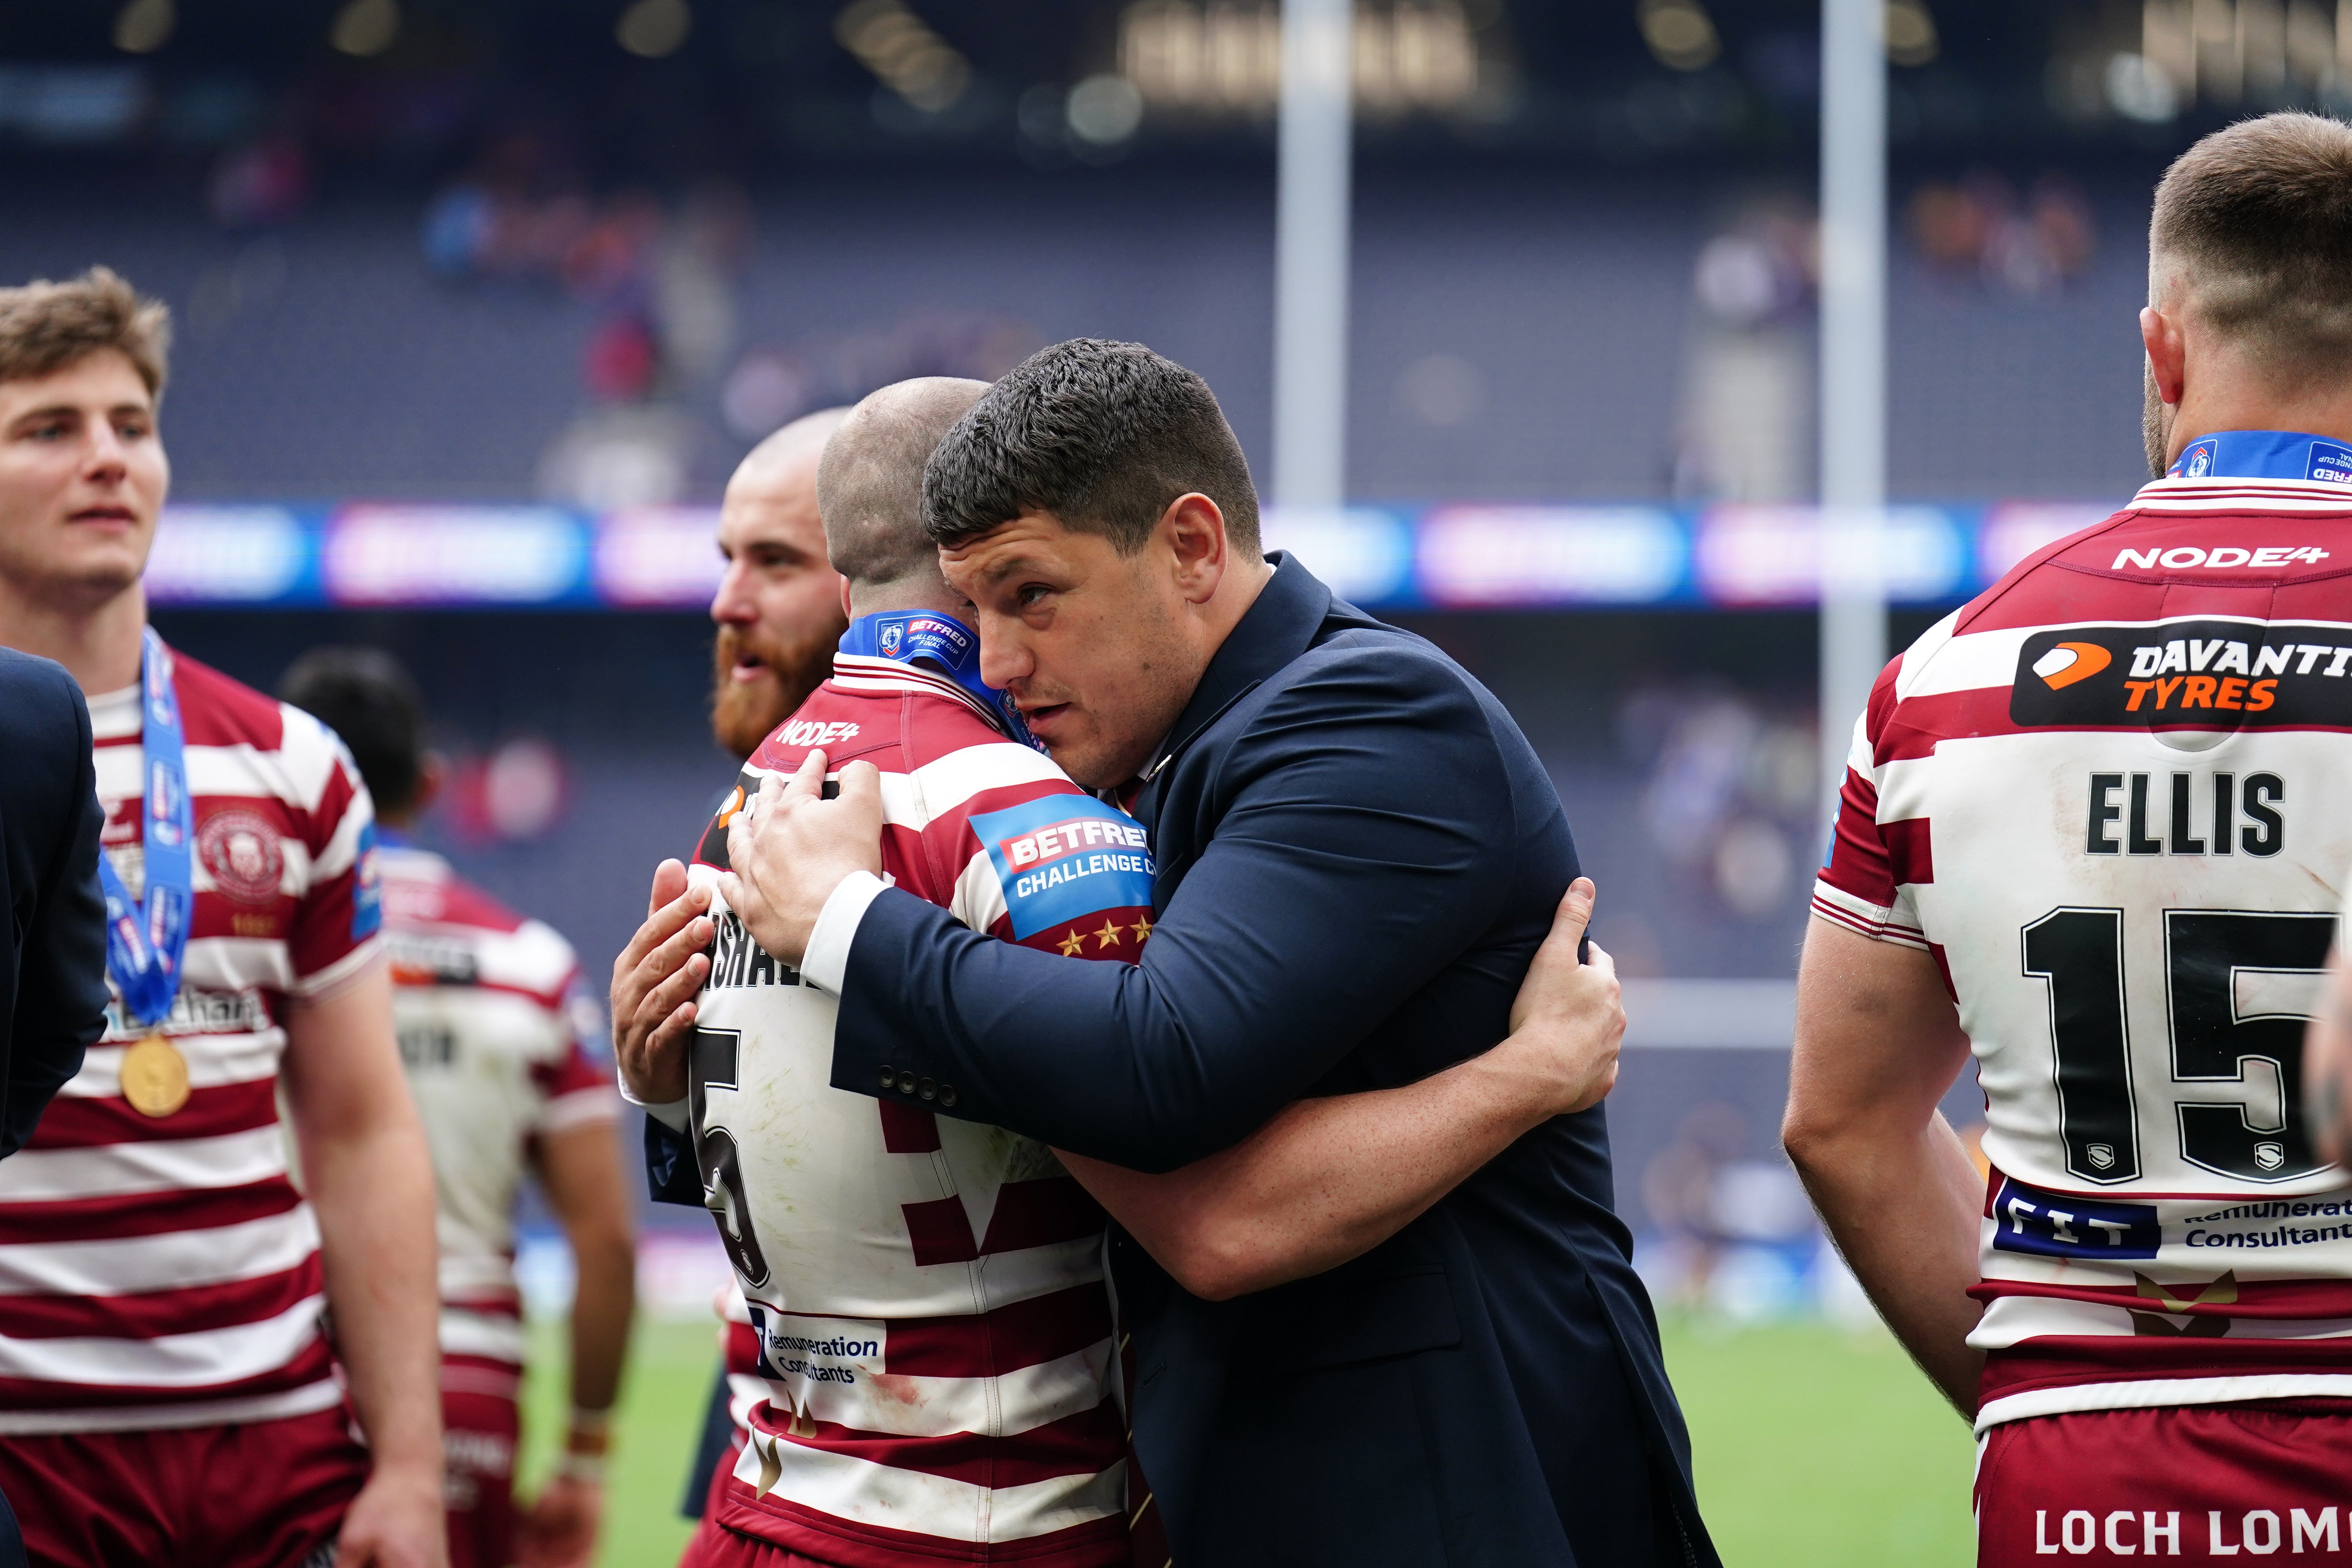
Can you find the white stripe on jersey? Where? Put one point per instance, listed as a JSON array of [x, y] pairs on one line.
[[867, 1493], [915, 800], [2149, 1393], [979, 895], [324, 1394], [2254, 495], [487, 1335], [581, 1108], [1005, 1405], [167, 1361], [229, 1160], [220, 1255], [212, 1060]]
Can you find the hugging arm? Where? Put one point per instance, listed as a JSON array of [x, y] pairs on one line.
[[1328, 1179], [1339, 882]]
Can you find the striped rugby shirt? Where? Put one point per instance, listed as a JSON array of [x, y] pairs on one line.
[[491, 1023], [163, 1271], [2109, 797], [926, 1294]]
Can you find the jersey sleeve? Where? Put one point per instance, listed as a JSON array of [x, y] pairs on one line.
[[333, 934], [1048, 865], [1866, 878], [575, 1085]]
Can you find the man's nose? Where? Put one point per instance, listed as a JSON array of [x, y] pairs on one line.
[[1003, 657], [107, 459], [733, 605]]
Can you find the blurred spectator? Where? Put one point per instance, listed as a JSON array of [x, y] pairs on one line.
[[1746, 421], [1729, 796], [1977, 225], [1734, 1232]]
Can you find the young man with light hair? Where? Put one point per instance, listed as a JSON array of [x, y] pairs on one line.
[[169, 1391], [2092, 829]]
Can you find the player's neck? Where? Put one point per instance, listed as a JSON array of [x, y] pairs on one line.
[[2214, 409], [98, 644], [937, 600]]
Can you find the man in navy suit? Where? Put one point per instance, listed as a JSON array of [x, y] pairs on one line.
[[1357, 854]]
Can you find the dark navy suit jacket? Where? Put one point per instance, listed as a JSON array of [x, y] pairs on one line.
[[52, 975], [1358, 854]]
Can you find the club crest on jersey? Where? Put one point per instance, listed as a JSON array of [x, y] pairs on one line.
[[892, 638], [242, 855], [1062, 857], [2188, 674]]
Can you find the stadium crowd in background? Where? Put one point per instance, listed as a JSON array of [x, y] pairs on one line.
[[1278, 1227]]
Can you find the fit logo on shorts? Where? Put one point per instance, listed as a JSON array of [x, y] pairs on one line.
[[1064, 856], [2052, 1225]]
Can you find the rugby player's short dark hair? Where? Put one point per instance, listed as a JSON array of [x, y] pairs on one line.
[[869, 482], [46, 326], [1104, 435], [364, 694], [2256, 221]]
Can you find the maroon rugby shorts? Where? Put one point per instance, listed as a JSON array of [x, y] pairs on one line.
[[2186, 1483], [261, 1494]]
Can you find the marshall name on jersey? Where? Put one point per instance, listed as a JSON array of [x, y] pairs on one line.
[[926, 1294], [2107, 797]]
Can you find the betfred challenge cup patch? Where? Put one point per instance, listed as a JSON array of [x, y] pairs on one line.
[[1064, 856]]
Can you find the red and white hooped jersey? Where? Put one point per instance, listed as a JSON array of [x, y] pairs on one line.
[[2109, 797], [926, 1294], [163, 1270], [491, 1023]]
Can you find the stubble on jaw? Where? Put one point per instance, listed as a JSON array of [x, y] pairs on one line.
[[2155, 423], [743, 714]]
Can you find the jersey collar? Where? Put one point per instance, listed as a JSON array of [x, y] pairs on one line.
[[2264, 454], [928, 641]]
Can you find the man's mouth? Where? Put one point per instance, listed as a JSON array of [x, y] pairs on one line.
[[111, 514], [748, 668], [1043, 717]]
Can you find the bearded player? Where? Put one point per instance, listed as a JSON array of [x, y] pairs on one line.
[[2094, 829], [168, 1389], [489, 1015]]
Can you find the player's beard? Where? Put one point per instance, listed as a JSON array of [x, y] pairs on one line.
[[743, 712], [2154, 429]]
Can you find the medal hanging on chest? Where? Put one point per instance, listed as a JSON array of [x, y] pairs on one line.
[[147, 939]]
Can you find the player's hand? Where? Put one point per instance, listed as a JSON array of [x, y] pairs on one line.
[[560, 1530], [396, 1522], [654, 982], [791, 852], [1567, 1021]]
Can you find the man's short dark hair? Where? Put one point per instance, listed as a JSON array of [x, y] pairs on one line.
[[1103, 435], [2256, 222], [364, 694], [869, 482]]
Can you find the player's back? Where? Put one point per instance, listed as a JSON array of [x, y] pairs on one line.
[[927, 1293], [486, 1006], [2108, 796]]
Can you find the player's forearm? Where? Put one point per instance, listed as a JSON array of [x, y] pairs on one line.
[[602, 1307], [2328, 1065], [1904, 1206], [372, 1189], [1325, 1181]]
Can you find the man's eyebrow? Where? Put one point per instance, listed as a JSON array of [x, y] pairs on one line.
[[50, 412]]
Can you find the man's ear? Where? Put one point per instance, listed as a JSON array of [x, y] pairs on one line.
[[1192, 532], [845, 601], [2168, 352]]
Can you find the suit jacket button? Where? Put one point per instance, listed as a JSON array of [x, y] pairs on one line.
[[889, 1076], [948, 1095], [906, 1083]]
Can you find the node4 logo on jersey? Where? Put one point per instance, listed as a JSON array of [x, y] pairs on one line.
[[2210, 674]]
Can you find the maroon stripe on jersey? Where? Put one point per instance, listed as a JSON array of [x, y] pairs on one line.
[[1028, 1214], [218, 711], [1085, 1443], [907, 1129], [119, 1216], [74, 1121], [941, 1232], [742, 1350], [1908, 852], [845, 1544], [223, 916], [313, 1363], [189, 1310], [2063, 1361], [2288, 1300], [1041, 1212], [1858, 861], [1018, 1334]]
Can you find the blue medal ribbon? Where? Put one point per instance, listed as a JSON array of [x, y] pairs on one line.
[[941, 642], [146, 941]]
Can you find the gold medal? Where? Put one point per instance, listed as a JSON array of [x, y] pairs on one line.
[[154, 1077]]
